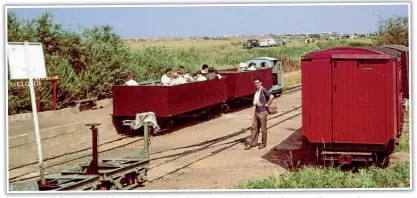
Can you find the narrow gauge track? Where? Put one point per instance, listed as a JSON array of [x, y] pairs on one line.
[[208, 143], [228, 145]]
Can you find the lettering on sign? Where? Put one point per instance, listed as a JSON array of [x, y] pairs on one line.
[[26, 84], [37, 82], [49, 78]]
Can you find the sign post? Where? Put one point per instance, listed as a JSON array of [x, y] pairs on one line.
[[54, 95], [37, 82], [32, 66]]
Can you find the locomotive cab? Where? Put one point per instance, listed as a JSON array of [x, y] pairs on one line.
[[277, 71]]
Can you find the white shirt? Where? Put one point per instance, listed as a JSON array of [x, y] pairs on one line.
[[188, 77], [131, 82], [256, 97], [251, 68], [165, 80], [201, 78], [204, 71], [178, 81]]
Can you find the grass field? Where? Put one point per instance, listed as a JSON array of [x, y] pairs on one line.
[[210, 44], [395, 176], [159, 54], [292, 78], [227, 53], [404, 145], [182, 44]]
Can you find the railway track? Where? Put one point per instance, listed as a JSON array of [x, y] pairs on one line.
[[286, 91], [121, 142], [204, 145], [229, 144]]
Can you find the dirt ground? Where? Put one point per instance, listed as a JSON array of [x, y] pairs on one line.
[[222, 165], [203, 169], [230, 167]]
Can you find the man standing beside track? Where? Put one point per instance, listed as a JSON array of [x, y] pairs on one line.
[[261, 113]]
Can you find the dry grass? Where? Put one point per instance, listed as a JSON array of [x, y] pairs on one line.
[[292, 78], [184, 44], [207, 44], [404, 145]]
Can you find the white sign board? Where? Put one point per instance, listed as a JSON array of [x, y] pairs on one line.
[[26, 61], [17, 56]]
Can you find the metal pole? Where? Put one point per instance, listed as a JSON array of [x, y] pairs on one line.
[[35, 117], [146, 137], [95, 153]]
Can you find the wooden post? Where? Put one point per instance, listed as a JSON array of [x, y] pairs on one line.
[[54, 95], [38, 99]]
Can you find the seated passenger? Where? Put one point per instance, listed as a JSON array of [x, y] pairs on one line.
[[204, 69], [243, 66], [211, 75], [131, 81], [217, 73], [177, 79], [237, 68], [167, 77], [188, 77], [200, 76], [252, 66], [181, 70]]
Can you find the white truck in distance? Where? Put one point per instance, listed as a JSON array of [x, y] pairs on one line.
[[268, 43]]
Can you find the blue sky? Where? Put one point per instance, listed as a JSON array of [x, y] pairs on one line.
[[131, 22]]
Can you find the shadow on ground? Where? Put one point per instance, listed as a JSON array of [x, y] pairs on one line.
[[292, 153], [295, 152]]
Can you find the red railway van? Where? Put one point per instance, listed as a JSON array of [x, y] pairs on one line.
[[241, 84], [351, 100], [404, 67]]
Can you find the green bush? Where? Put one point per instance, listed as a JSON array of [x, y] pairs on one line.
[[359, 43], [87, 63]]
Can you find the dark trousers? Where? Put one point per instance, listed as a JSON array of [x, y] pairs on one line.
[[259, 121]]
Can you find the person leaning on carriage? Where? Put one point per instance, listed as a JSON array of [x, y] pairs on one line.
[[261, 113]]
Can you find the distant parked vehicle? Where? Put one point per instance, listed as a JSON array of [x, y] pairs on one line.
[[309, 40], [268, 43], [251, 43], [280, 41]]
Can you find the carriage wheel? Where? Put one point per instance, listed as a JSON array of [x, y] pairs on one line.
[[170, 123], [113, 187], [382, 160], [103, 186], [128, 178], [225, 108]]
